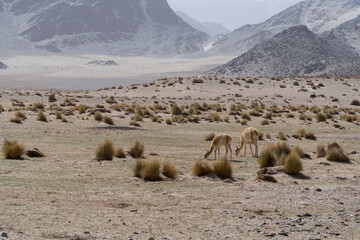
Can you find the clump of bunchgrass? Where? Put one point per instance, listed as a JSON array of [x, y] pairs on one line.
[[151, 171], [202, 168], [320, 151], [105, 151], [223, 168], [41, 117], [12, 149], [170, 170], [335, 153], [119, 153], [320, 117], [293, 164], [137, 150], [108, 120], [139, 165], [282, 136], [98, 116]]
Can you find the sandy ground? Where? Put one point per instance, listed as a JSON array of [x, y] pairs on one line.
[[73, 72], [69, 195]]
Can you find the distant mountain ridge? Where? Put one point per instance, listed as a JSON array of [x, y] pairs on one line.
[[318, 15], [131, 27], [210, 28], [293, 52]]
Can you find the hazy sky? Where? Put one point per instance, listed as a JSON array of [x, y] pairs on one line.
[[231, 13]]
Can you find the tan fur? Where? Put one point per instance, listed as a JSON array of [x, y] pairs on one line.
[[217, 142], [248, 135]]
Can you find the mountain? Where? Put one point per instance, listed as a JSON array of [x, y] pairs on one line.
[[130, 27], [2, 65], [318, 15], [293, 52], [347, 33], [212, 29]]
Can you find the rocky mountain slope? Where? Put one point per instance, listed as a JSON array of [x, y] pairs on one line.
[[318, 15], [2, 65], [293, 52], [347, 33], [210, 28], [131, 27]]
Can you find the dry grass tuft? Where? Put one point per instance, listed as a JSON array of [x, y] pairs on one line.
[[12, 149], [52, 97], [105, 151], [108, 120], [335, 153], [98, 117], [209, 137], [139, 165], [320, 151], [274, 155], [282, 136], [223, 168], [41, 117], [320, 117], [151, 171], [202, 168], [170, 170], [293, 164], [119, 153], [137, 150]]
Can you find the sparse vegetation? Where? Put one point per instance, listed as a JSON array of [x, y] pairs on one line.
[[41, 117], [265, 122], [202, 168], [320, 151], [151, 171], [170, 170], [197, 80], [52, 98], [274, 155], [223, 168], [320, 117], [98, 117], [139, 165], [108, 120], [355, 102], [137, 150], [105, 151], [293, 164], [282, 136], [119, 153], [12, 149], [335, 153]]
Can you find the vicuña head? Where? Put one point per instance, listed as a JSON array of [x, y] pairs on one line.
[[217, 142], [249, 135]]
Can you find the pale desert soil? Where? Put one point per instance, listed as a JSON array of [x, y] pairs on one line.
[[69, 195]]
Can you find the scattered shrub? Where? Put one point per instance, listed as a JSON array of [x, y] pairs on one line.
[[274, 155], [108, 120], [170, 170], [310, 135], [119, 153], [265, 122], [82, 109], [223, 168], [335, 153], [209, 137], [139, 165], [246, 116], [202, 167], [138, 118], [293, 164], [151, 171], [98, 117], [168, 121], [282, 136], [175, 110], [12, 149], [135, 124], [355, 102], [41, 117], [320, 151], [63, 120], [243, 122], [52, 97], [20, 115], [301, 133], [58, 115], [197, 80], [16, 120], [137, 150], [105, 151], [320, 117]]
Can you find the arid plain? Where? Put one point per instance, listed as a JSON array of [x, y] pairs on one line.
[[70, 195]]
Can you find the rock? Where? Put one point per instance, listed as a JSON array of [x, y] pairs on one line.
[[4, 235], [266, 178], [102, 63], [304, 215], [34, 153], [3, 66], [318, 190], [283, 233]]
